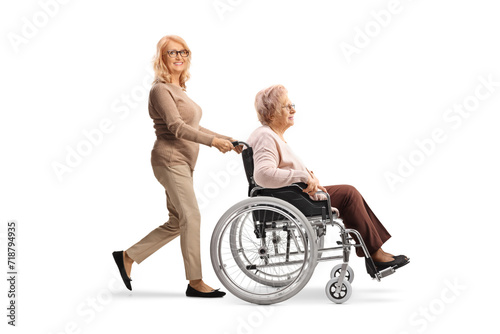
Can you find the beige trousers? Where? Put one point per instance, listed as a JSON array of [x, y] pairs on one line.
[[184, 220]]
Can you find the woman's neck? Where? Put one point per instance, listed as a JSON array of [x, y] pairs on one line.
[[279, 131], [176, 80]]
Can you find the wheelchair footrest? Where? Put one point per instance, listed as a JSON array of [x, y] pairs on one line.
[[386, 272], [375, 273]]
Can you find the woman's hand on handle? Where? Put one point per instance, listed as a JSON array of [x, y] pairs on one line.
[[239, 148], [222, 145]]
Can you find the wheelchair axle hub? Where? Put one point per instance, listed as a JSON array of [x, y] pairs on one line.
[[263, 252]]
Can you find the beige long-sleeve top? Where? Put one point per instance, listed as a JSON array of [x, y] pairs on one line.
[[176, 121]]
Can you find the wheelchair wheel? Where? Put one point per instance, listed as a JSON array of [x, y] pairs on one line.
[[343, 295], [263, 250], [349, 274]]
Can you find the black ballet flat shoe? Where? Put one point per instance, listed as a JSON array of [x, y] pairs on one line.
[[403, 258], [398, 262], [191, 292], [118, 256]]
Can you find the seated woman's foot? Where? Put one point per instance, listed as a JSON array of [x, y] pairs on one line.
[[402, 257], [388, 254], [394, 257], [381, 256], [383, 260]]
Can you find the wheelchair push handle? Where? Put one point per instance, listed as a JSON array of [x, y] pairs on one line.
[[237, 142]]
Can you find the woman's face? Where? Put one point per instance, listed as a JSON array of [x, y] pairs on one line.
[[177, 64], [284, 120]]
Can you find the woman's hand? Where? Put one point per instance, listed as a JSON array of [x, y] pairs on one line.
[[238, 149], [313, 185], [335, 210], [222, 145]]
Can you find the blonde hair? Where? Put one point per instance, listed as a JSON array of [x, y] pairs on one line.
[[162, 74], [268, 103]]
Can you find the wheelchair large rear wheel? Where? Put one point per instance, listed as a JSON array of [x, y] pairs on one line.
[[263, 250]]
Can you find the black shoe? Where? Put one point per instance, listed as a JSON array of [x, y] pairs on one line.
[[191, 292], [118, 256], [404, 260], [398, 262]]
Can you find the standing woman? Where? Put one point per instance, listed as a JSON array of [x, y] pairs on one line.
[[176, 121]]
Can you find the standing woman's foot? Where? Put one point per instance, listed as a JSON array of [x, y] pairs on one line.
[[128, 262], [198, 288], [119, 260]]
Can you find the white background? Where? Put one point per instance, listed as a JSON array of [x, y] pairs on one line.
[[355, 120]]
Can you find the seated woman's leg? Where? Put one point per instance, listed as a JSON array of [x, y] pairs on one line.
[[358, 215]]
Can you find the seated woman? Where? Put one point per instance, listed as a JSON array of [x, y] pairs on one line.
[[275, 166]]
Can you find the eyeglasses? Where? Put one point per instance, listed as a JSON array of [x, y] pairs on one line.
[[289, 106], [174, 53]]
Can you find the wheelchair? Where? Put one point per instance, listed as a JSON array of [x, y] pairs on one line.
[[264, 249]]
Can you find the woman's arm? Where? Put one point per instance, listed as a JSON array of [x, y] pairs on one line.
[[237, 149], [166, 107], [205, 130]]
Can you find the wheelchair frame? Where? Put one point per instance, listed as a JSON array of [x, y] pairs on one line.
[[338, 288]]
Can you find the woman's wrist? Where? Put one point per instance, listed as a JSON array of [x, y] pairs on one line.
[[214, 141]]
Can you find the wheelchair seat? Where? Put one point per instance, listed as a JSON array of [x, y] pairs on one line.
[[292, 194]]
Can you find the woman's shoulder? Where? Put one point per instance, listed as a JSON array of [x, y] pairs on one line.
[[160, 86], [262, 135], [263, 129]]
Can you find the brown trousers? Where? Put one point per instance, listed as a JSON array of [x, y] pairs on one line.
[[184, 220], [358, 215]]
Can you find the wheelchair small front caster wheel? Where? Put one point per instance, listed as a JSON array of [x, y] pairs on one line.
[[349, 274], [343, 295]]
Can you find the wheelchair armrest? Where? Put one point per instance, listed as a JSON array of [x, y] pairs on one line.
[[301, 185], [295, 196], [335, 211]]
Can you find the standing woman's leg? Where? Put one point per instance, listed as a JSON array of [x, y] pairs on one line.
[[157, 238], [178, 183], [184, 221], [357, 215]]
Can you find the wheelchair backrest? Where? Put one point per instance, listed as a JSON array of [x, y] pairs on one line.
[[247, 156]]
